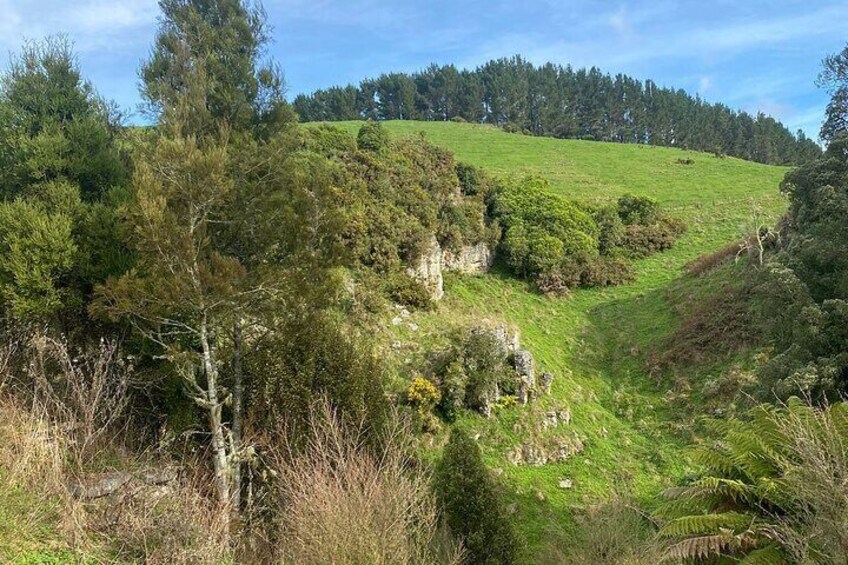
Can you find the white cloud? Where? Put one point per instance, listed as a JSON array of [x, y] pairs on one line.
[[93, 25]]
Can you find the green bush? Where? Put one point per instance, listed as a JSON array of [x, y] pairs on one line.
[[470, 370], [472, 505], [470, 179], [542, 229], [372, 137], [311, 358], [611, 230], [405, 290]]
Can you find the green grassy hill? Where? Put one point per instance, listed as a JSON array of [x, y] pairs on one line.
[[595, 341]]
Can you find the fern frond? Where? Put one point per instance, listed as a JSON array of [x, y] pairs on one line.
[[731, 522], [697, 548]]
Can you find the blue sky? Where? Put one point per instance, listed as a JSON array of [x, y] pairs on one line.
[[750, 54]]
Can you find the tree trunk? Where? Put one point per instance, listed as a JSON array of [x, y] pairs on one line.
[[238, 413], [216, 425]]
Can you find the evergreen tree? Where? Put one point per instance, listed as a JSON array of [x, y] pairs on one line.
[[834, 77], [472, 506], [61, 177], [558, 101], [213, 50]]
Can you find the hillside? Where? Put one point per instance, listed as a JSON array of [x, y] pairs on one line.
[[595, 342], [563, 102]]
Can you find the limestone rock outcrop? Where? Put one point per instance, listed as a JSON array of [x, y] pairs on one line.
[[471, 259]]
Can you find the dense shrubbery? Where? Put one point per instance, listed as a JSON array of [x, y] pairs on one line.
[[308, 359], [398, 194], [802, 295], [472, 506], [472, 372], [562, 244]]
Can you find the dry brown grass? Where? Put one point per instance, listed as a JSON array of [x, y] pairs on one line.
[[63, 420], [342, 503], [709, 261], [816, 476]]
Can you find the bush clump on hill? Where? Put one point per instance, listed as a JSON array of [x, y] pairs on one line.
[[398, 194], [562, 244], [472, 506], [472, 372]]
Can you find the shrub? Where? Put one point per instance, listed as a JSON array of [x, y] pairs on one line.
[[638, 210], [309, 358], [542, 229], [453, 384], [642, 240], [606, 271], [554, 283], [469, 178], [341, 502], [610, 228], [471, 372], [372, 137], [404, 289], [422, 395], [472, 505]]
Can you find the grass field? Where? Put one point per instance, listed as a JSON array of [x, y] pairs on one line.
[[595, 341]]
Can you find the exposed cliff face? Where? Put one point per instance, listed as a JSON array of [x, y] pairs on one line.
[[428, 269], [471, 259]]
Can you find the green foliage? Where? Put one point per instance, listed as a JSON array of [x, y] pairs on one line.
[[818, 194], [563, 245], [372, 137], [647, 229], [802, 299], [36, 251], [472, 506], [312, 358], [471, 179], [54, 125], [60, 165], [638, 210], [206, 69], [397, 195], [543, 230], [404, 289], [471, 372], [748, 502]]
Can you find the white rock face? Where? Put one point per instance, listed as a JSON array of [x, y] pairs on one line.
[[429, 270], [471, 259]]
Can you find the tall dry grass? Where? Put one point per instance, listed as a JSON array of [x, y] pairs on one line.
[[62, 423], [343, 503], [815, 477]]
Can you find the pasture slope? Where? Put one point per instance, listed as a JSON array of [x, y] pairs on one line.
[[632, 424]]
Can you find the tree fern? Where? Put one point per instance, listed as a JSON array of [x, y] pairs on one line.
[[741, 501]]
